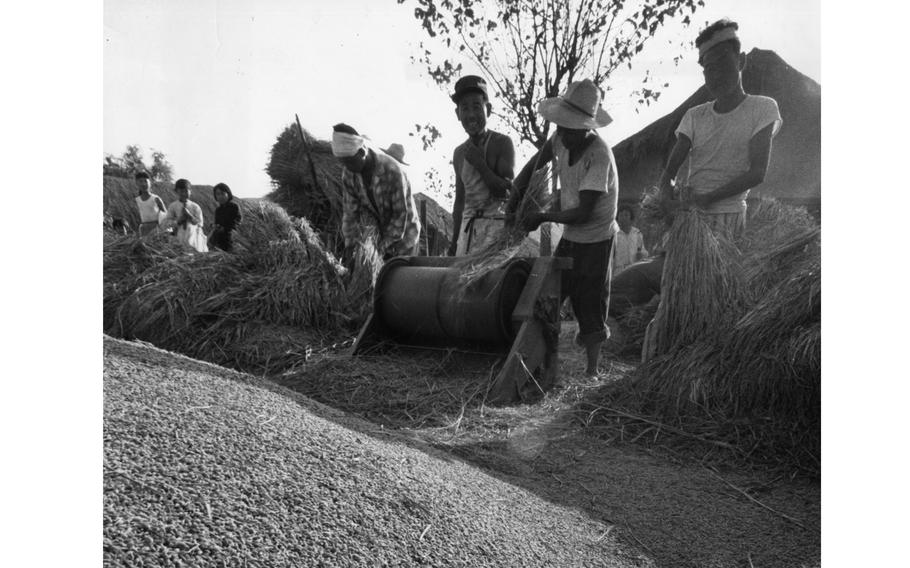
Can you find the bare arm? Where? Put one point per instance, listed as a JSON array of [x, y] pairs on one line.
[[537, 161], [499, 178], [458, 207], [759, 158], [677, 156]]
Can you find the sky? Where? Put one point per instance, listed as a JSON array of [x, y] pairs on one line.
[[211, 83]]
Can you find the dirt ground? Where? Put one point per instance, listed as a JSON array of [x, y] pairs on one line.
[[678, 513]]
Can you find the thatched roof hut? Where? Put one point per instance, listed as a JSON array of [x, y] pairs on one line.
[[307, 183], [794, 176], [435, 236]]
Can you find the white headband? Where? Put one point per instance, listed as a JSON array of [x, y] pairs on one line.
[[721, 36], [345, 145]]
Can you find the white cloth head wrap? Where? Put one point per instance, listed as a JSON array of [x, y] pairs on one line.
[[345, 145], [720, 36]]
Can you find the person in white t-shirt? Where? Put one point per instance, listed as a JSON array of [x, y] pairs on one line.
[[151, 207], [589, 190], [628, 242], [727, 140]]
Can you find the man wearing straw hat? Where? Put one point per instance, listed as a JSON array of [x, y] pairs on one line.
[[377, 193], [586, 206], [727, 140], [396, 150], [484, 166]]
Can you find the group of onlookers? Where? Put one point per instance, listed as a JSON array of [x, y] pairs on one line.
[[184, 217]]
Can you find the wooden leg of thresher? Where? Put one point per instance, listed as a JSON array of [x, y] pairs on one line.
[[533, 361]]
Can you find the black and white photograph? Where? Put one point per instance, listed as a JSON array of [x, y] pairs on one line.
[[456, 283]]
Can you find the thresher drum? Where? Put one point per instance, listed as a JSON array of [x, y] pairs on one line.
[[420, 301]]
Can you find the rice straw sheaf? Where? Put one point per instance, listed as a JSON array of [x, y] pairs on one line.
[[770, 222], [509, 242], [701, 287], [252, 308], [307, 182], [741, 383], [256, 347], [633, 323]]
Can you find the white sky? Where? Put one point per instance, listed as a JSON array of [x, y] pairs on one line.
[[212, 83]]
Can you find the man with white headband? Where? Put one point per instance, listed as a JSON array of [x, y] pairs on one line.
[[727, 140], [377, 193]]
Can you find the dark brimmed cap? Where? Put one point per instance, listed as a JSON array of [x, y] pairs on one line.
[[470, 84]]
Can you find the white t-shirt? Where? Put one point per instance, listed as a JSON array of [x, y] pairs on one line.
[[595, 170], [720, 145], [625, 247], [148, 209]]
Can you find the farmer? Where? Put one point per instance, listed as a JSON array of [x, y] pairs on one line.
[[227, 217], [484, 165], [396, 150], [186, 215], [628, 243], [151, 207], [377, 194], [586, 206], [727, 140]]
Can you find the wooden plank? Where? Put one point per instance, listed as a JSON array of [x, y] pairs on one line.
[[524, 309]]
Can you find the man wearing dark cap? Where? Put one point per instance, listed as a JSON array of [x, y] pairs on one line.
[[484, 166]]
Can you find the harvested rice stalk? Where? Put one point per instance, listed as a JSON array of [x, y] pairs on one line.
[[509, 241], [360, 282], [701, 287]]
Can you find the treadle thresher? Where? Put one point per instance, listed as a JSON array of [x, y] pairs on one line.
[[419, 301]]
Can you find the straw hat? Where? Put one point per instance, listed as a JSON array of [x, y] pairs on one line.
[[578, 108], [396, 150]]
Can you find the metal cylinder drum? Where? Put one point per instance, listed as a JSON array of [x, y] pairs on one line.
[[429, 302]]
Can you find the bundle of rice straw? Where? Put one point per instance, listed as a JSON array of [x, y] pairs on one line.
[[307, 182], [255, 347], [509, 241], [701, 288], [236, 308], [361, 280], [125, 260], [769, 222], [752, 385]]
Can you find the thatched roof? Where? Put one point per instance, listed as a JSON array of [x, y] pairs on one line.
[[438, 228], [795, 171]]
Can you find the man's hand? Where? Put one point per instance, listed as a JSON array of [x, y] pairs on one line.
[[532, 221], [474, 156]]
